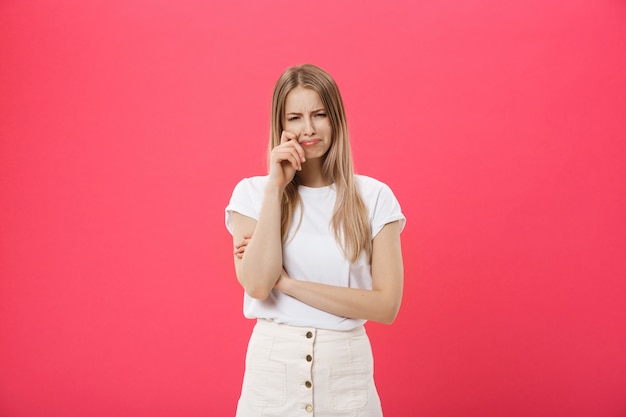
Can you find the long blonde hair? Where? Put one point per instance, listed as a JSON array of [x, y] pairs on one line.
[[350, 218]]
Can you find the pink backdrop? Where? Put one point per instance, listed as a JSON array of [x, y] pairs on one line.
[[501, 127]]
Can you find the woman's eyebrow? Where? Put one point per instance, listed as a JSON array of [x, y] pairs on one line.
[[312, 111]]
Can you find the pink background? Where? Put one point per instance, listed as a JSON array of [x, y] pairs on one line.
[[501, 127]]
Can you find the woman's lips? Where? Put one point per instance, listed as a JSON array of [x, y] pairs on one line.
[[310, 142]]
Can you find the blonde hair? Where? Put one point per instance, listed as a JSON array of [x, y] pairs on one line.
[[350, 221]]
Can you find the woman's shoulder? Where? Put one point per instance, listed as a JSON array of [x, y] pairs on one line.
[[373, 191], [256, 183], [381, 202], [250, 188], [368, 185]]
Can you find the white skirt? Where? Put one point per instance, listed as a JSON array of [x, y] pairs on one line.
[[303, 371]]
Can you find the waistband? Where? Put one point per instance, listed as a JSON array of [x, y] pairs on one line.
[[286, 331]]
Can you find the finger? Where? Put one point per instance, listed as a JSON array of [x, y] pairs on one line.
[[286, 136], [300, 150], [244, 240], [295, 158], [242, 244], [238, 252], [288, 154], [292, 139]]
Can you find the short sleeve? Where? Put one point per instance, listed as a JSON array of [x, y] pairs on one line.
[[385, 209], [246, 199]]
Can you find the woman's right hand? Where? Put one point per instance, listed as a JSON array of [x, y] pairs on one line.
[[286, 159]]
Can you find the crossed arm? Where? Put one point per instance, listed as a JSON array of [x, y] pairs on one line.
[[261, 270]]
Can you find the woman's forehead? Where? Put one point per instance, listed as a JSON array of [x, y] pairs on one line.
[[301, 98]]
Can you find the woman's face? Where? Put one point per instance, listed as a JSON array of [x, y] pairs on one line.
[[306, 117]]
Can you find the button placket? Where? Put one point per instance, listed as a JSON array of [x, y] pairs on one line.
[[307, 378]]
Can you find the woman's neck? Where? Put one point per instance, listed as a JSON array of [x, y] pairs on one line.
[[311, 174]]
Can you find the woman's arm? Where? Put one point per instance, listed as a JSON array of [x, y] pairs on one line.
[[380, 304], [260, 269]]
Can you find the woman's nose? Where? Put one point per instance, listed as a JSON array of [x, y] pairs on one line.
[[309, 129]]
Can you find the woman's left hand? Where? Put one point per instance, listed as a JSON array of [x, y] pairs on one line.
[[240, 248]]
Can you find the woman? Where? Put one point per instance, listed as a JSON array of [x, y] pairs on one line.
[[317, 251]]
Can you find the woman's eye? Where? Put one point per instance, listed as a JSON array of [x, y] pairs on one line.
[[321, 114], [292, 118]]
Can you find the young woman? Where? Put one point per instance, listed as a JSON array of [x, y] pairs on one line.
[[317, 251]]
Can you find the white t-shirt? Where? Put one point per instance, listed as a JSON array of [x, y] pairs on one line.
[[311, 252]]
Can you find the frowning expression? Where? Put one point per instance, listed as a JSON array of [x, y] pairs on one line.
[[306, 117]]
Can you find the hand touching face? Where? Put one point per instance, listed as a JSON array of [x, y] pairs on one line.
[[306, 117], [286, 159]]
